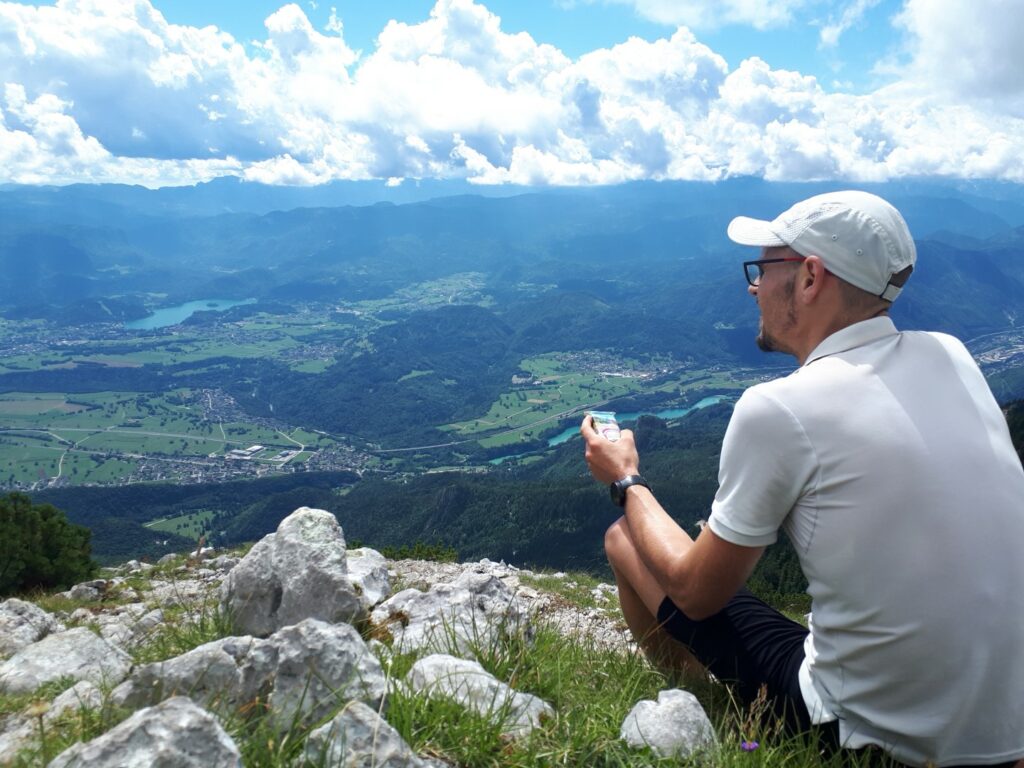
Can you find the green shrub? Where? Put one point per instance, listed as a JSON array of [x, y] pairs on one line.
[[39, 548], [420, 550]]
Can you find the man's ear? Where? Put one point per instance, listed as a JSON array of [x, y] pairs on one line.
[[811, 278]]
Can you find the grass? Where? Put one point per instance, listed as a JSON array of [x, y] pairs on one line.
[[575, 588], [82, 723], [591, 690], [191, 525], [312, 366], [181, 631]]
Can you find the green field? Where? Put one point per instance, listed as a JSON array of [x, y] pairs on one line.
[[261, 336], [312, 366], [558, 390], [109, 437], [555, 391], [192, 525], [100, 437]]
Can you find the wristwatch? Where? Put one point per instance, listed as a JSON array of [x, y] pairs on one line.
[[618, 488]]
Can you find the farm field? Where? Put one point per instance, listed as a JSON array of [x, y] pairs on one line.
[[529, 408], [284, 338], [204, 435], [191, 525], [102, 437], [561, 386]]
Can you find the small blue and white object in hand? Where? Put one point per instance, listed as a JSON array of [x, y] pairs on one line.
[[605, 424]]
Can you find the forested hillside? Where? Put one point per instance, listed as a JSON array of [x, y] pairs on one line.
[[1015, 418]]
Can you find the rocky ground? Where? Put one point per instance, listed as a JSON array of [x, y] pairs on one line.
[[291, 649]]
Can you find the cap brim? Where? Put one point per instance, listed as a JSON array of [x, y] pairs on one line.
[[747, 231]]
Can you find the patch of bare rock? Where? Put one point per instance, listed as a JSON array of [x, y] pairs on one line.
[[301, 603]]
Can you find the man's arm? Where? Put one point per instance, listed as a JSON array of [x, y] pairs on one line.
[[700, 576]]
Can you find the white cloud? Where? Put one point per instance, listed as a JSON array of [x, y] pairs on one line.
[[334, 24], [41, 144], [852, 13], [968, 50], [108, 90]]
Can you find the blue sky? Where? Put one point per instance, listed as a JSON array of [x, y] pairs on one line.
[[579, 27], [163, 92]]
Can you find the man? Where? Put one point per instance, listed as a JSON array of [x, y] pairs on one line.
[[889, 465]]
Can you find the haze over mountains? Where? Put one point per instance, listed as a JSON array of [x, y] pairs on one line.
[[402, 318], [646, 243], [641, 268]]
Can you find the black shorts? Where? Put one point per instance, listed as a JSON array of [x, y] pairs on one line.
[[751, 645], [748, 645]]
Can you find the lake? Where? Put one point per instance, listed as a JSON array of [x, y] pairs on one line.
[[668, 413], [174, 315]]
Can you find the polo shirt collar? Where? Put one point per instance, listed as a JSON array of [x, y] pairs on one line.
[[852, 336]]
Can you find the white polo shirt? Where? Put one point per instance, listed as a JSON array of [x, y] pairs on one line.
[[888, 463]]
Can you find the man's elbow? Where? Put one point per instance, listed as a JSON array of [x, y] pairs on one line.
[[696, 606], [695, 600]]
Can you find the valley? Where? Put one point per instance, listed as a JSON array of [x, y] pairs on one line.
[[419, 370], [203, 434]]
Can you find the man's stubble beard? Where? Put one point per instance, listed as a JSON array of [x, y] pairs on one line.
[[765, 341]]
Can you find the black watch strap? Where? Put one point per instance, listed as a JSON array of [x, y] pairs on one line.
[[618, 488]]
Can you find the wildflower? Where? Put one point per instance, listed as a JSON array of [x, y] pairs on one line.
[[748, 746], [37, 709]]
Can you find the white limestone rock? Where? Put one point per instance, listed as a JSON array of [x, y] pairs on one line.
[[174, 734], [474, 611], [77, 653], [471, 686], [301, 672], [81, 616], [210, 675], [82, 695], [674, 726], [17, 732], [299, 572], [368, 571], [358, 737], [88, 591], [178, 592], [22, 624], [223, 563], [115, 631], [126, 626], [147, 625], [319, 667]]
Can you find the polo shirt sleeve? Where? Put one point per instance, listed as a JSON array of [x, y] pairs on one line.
[[767, 461]]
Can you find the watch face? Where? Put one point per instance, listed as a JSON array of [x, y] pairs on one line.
[[617, 494], [619, 487]]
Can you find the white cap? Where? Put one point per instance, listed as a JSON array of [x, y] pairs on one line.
[[859, 236]]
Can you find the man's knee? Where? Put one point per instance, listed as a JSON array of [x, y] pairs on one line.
[[617, 541]]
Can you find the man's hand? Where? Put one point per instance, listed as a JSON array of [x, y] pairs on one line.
[[609, 461]]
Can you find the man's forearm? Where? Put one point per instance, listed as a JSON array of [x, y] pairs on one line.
[[699, 576], [660, 541]]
